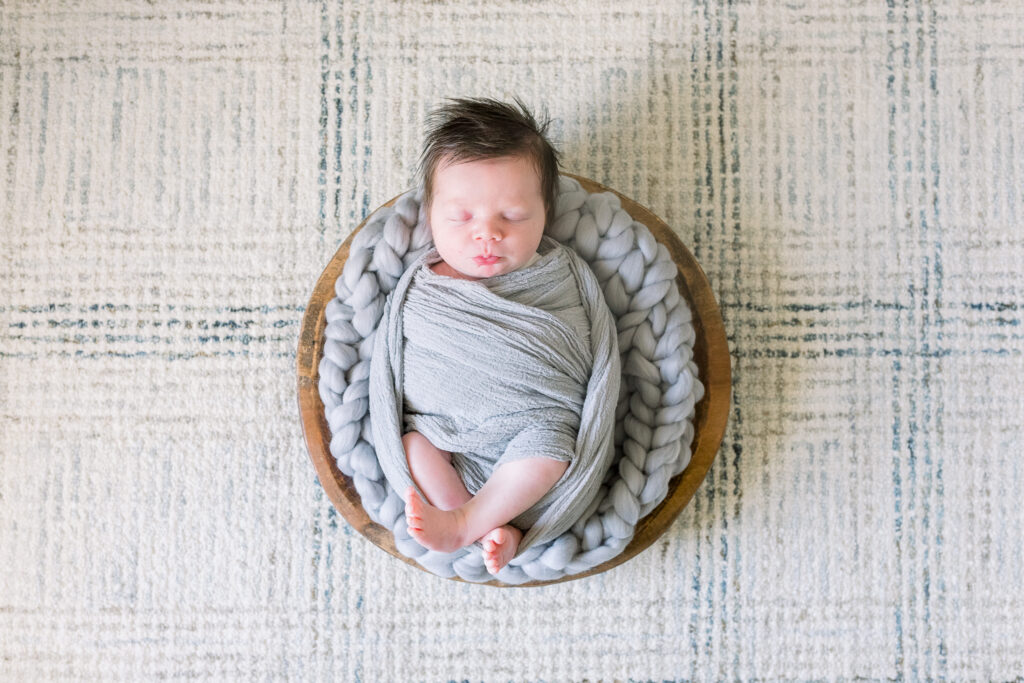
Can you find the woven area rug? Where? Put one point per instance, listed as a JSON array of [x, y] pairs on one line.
[[174, 177]]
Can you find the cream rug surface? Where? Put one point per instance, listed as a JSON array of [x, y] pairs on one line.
[[174, 177]]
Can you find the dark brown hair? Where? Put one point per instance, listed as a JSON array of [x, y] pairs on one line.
[[481, 128]]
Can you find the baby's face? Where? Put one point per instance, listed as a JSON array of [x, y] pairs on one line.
[[487, 217]]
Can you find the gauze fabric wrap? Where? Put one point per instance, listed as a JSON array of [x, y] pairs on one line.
[[520, 365]]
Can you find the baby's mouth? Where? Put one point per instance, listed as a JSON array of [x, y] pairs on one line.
[[486, 260]]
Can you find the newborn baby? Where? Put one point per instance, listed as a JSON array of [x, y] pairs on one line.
[[499, 295]]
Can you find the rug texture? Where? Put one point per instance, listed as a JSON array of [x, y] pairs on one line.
[[174, 176]]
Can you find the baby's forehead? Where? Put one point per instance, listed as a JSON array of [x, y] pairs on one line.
[[530, 167], [459, 184]]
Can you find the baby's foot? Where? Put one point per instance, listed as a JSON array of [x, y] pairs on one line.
[[500, 546], [441, 530]]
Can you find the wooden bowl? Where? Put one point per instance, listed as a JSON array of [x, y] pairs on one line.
[[711, 355]]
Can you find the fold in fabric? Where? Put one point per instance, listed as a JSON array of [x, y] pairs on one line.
[[516, 366]]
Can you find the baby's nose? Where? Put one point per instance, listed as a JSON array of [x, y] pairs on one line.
[[487, 230]]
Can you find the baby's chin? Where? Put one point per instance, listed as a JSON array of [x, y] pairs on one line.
[[467, 272], [471, 270], [498, 267], [503, 265]]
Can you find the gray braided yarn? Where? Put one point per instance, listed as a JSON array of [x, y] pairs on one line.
[[653, 419]]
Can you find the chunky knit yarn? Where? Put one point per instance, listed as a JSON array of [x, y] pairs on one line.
[[654, 411]]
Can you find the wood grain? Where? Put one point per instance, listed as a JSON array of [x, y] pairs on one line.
[[711, 355]]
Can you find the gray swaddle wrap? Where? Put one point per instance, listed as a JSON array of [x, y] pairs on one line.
[[520, 365]]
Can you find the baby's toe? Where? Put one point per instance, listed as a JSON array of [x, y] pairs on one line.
[[411, 499]]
